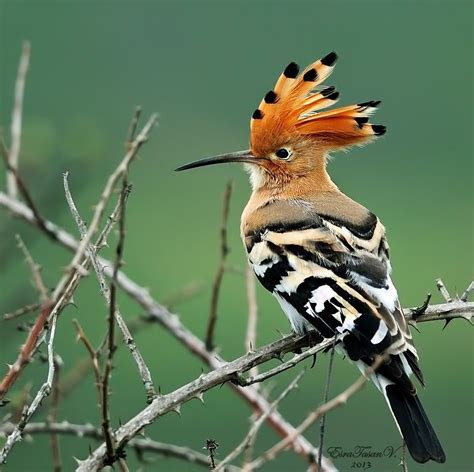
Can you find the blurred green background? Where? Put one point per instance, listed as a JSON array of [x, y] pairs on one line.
[[204, 67]]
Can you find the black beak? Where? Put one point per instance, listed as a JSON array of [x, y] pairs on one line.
[[240, 156]]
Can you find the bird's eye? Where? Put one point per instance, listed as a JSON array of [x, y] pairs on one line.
[[283, 153]]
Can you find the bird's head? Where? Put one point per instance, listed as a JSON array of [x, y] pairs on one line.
[[290, 137]]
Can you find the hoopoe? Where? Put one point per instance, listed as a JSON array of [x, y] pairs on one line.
[[322, 255]]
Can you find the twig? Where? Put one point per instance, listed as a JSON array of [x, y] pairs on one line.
[[16, 126], [444, 291], [93, 354], [24, 310], [251, 435], [325, 400], [132, 129], [252, 307], [26, 351], [224, 250], [64, 291], [337, 401], [139, 444], [106, 292], [35, 271], [43, 392], [296, 359], [109, 441], [53, 415], [466, 292]]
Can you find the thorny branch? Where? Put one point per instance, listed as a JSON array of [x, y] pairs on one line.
[[249, 438], [26, 351], [216, 286], [108, 438], [106, 291], [140, 445], [66, 286], [231, 371], [43, 392]]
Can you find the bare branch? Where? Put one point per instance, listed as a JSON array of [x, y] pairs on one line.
[[109, 441], [43, 392], [63, 292], [132, 129], [27, 350], [24, 310], [251, 435], [224, 250], [35, 271], [16, 123], [296, 359], [93, 353], [106, 292], [139, 444]]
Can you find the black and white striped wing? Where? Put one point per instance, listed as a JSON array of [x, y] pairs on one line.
[[328, 279]]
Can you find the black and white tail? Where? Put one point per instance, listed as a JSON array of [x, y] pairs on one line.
[[414, 425]]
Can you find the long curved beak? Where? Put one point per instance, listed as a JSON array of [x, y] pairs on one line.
[[240, 156]]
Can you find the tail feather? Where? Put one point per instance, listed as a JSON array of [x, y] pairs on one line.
[[414, 425]]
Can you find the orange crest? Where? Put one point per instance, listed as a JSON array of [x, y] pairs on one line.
[[291, 111]]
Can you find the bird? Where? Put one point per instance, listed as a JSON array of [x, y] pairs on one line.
[[323, 256]]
